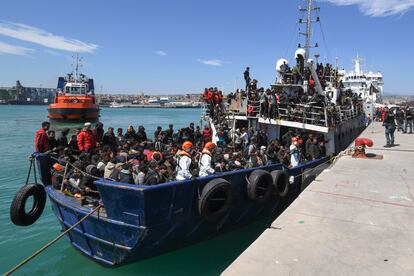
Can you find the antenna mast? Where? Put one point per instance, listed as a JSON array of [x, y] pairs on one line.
[[308, 32]]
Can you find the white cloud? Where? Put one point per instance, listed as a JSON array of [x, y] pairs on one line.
[[377, 8], [51, 52], [44, 38], [212, 62], [14, 50], [161, 53]]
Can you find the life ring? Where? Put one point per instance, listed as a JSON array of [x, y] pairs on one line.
[[18, 213], [250, 109], [280, 182], [216, 200], [259, 186]]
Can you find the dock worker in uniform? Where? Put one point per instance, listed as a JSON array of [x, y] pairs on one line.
[[41, 140], [205, 160], [86, 139], [389, 124], [184, 161], [246, 75]]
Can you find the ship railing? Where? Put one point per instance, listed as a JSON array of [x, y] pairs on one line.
[[348, 114], [304, 113]]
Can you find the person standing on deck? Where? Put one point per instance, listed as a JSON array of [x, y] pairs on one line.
[[205, 160], [246, 75], [41, 140], [389, 124], [184, 161], [86, 139], [294, 152]]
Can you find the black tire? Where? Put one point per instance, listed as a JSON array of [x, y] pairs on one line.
[[260, 186], [281, 182], [18, 213], [216, 200]]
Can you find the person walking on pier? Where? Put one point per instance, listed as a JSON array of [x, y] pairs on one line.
[[389, 124]]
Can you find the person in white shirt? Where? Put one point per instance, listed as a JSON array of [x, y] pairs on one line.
[[205, 160], [184, 162], [294, 152]]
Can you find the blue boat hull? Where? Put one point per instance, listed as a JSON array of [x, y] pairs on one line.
[[139, 222]]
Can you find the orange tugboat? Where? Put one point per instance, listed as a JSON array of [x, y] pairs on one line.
[[74, 99]]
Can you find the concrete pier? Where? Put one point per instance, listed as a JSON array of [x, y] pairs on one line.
[[356, 218]]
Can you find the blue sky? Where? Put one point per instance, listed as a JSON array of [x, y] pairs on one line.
[[182, 46]]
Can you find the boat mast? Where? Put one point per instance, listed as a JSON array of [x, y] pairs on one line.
[[308, 32], [308, 29]]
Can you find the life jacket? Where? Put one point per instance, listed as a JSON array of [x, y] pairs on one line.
[[41, 141], [209, 95]]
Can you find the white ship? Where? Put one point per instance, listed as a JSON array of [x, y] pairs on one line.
[[323, 113], [369, 85]]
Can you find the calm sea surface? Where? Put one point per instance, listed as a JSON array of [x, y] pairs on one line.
[[17, 127]]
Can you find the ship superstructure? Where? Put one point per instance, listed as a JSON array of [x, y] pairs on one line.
[[75, 99], [369, 85]]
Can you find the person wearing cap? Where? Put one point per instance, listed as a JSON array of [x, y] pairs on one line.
[[86, 139], [41, 139], [294, 152], [184, 161], [205, 159]]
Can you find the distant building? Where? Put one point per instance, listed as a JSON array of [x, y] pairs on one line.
[[27, 95]]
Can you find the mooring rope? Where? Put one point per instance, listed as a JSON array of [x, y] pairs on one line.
[[51, 242]]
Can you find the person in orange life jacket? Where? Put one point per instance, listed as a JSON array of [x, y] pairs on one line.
[[41, 140], [184, 161], [207, 134], [86, 138], [205, 160]]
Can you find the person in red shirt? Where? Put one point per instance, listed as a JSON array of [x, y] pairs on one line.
[[86, 139], [41, 140], [311, 86]]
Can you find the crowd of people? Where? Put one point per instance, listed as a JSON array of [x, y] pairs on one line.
[[398, 118], [298, 105], [135, 158]]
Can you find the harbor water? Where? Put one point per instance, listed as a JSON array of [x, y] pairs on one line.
[[17, 127]]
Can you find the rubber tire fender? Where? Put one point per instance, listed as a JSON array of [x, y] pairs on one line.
[[18, 213], [281, 182], [216, 200], [260, 186]]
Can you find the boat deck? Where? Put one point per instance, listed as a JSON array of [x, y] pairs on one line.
[[356, 218]]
